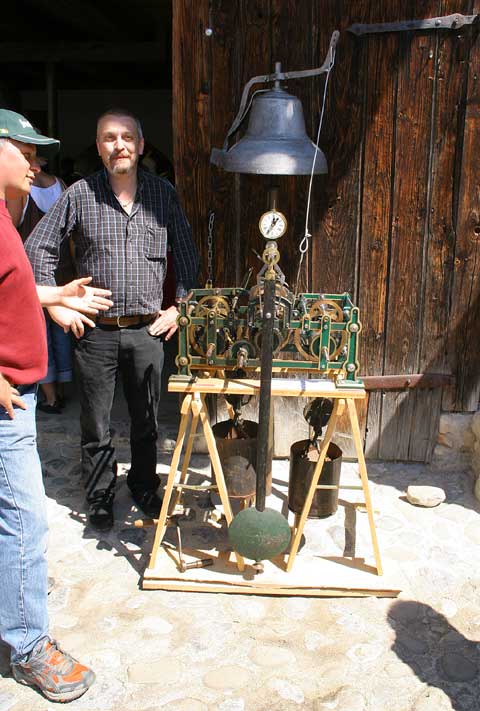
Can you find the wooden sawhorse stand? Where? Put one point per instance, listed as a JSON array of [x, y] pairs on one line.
[[194, 407]]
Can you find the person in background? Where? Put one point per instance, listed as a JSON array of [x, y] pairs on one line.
[[36, 659], [26, 212], [67, 171]]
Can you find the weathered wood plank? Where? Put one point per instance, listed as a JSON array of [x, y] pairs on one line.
[[335, 214], [191, 110], [378, 167], [465, 311], [225, 89], [440, 233], [410, 195]]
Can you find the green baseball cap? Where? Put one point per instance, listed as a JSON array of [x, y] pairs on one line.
[[17, 127]]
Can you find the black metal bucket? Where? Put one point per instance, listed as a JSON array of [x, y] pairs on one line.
[[238, 458], [325, 501]]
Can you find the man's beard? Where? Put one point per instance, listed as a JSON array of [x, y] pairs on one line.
[[122, 168]]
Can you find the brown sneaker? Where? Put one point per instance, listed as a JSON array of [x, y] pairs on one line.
[[58, 675]]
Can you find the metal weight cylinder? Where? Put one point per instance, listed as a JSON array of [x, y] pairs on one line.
[[238, 458], [325, 501]]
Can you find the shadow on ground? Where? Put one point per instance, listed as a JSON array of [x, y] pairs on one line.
[[437, 652]]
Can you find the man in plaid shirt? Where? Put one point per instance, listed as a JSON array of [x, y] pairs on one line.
[[121, 220]]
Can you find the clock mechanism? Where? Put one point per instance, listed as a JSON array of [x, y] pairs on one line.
[[221, 328]]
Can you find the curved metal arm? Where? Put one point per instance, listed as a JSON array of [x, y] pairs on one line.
[[280, 76]]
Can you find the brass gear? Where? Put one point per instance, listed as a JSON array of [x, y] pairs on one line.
[[279, 291], [282, 341], [325, 307], [205, 305], [219, 304], [337, 345], [297, 339]]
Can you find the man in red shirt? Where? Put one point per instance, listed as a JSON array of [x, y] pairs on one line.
[[36, 658]]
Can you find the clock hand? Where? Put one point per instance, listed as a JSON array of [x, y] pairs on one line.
[[274, 221]]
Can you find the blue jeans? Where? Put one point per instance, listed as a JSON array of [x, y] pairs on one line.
[[23, 531], [59, 353]]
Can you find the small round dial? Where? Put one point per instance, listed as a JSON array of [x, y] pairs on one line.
[[273, 224]]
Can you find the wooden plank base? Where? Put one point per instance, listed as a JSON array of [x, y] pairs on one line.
[[313, 577]]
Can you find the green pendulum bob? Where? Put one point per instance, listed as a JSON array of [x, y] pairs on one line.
[[262, 533]]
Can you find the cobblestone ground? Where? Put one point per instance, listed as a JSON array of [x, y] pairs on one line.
[[199, 652]]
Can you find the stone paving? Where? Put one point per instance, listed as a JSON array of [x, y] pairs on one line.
[[199, 652]]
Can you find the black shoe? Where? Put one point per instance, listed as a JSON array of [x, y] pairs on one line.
[[49, 409], [148, 502], [100, 511]]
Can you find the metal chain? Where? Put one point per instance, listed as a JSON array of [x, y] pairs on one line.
[[211, 223]]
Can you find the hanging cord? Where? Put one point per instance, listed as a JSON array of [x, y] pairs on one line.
[[304, 244]]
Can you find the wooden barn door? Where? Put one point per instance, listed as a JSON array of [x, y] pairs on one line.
[[397, 220]]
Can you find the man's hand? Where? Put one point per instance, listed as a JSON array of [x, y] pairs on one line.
[[9, 397], [70, 320], [166, 322], [76, 295], [87, 299]]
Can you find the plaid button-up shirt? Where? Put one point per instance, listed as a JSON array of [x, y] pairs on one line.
[[126, 253]]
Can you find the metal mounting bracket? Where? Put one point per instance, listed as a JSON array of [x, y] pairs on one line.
[[448, 22], [277, 76]]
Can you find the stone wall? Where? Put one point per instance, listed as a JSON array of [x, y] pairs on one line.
[[475, 428], [458, 444]]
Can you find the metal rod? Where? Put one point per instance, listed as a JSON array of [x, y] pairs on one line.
[[447, 22], [273, 196], [263, 448]]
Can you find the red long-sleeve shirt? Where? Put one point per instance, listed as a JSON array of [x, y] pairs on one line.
[[23, 345]]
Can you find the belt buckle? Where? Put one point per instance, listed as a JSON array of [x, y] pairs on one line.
[[119, 324]]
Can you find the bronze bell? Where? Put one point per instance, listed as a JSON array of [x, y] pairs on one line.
[[275, 142]]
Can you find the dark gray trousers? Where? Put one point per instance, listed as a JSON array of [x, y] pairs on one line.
[[100, 356]]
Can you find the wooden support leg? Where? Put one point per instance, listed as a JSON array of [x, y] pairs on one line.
[[352, 411], [186, 461], [162, 521], [300, 524], [199, 409]]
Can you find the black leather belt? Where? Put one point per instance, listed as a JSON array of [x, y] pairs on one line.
[[125, 321]]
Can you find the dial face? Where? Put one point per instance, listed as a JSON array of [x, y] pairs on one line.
[[273, 224]]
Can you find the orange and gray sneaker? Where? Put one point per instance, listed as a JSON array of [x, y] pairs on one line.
[[56, 674]]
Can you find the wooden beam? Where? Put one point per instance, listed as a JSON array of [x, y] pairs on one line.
[[82, 52], [406, 382], [80, 16]]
